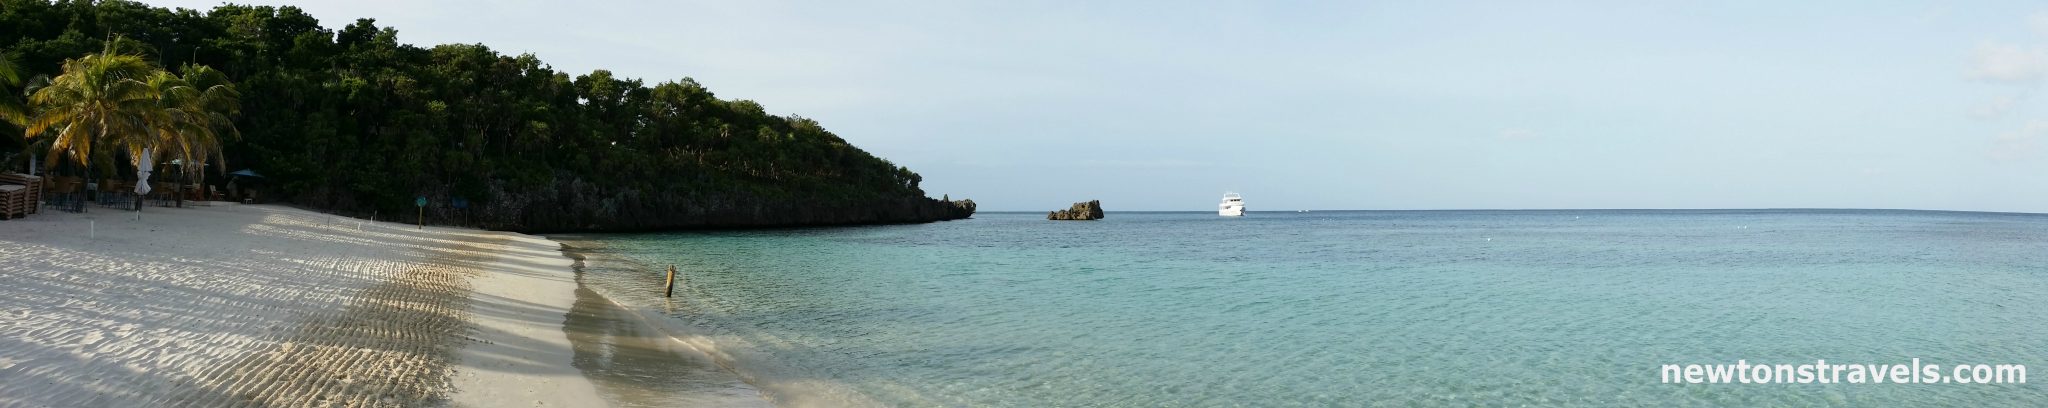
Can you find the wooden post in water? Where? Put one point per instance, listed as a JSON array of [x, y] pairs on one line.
[[671, 282]]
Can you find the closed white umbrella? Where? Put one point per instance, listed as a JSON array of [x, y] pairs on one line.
[[142, 166]]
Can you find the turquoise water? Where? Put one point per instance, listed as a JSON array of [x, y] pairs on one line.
[[1390, 308]]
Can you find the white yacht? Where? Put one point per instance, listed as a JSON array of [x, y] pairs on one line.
[[1232, 206]]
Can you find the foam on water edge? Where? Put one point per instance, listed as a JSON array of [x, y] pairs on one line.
[[731, 353]]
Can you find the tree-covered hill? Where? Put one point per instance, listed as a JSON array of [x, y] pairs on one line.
[[357, 122]]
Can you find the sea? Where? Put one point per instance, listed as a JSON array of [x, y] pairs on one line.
[[1347, 308]]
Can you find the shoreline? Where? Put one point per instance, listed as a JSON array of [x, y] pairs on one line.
[[637, 362], [738, 364], [521, 353], [227, 304]]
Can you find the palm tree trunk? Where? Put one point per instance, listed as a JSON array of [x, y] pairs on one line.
[[88, 166]]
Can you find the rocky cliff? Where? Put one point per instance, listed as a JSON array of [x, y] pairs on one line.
[[579, 206]]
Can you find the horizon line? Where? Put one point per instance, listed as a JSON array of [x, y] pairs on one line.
[[1558, 209]]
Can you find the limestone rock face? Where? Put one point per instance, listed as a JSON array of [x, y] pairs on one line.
[[1091, 210], [575, 205]]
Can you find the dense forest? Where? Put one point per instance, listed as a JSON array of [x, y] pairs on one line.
[[356, 122]]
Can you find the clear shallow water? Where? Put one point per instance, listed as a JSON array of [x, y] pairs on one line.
[[1394, 308]]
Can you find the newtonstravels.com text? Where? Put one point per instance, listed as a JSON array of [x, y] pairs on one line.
[[1820, 371]]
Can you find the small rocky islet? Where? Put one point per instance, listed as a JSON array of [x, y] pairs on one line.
[[1084, 211]]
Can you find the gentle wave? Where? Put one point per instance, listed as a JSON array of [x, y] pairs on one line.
[[621, 277], [1349, 308]]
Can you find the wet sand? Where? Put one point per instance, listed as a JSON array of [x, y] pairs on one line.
[[636, 365]]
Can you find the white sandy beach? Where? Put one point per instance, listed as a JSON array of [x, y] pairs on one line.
[[234, 305]]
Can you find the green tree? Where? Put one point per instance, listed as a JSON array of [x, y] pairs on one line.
[[13, 112], [192, 116], [11, 108], [120, 101], [99, 99], [354, 121]]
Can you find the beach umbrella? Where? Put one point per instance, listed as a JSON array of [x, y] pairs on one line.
[[247, 176], [142, 166]]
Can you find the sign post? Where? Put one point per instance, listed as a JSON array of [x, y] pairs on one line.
[[421, 202], [461, 205]]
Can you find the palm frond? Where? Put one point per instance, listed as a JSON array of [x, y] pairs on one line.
[[117, 98]]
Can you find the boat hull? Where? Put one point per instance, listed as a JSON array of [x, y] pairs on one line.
[[1232, 205]]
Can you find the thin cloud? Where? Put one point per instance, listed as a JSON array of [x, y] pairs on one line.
[[1144, 164], [2009, 63], [2020, 65], [1996, 107], [2024, 143], [1097, 164], [2039, 22], [1517, 134]]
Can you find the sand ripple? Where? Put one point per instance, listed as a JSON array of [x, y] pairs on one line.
[[221, 308]]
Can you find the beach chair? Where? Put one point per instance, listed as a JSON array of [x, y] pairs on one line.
[[162, 194], [117, 194], [107, 191], [166, 193], [13, 199], [195, 195], [22, 201], [66, 194]]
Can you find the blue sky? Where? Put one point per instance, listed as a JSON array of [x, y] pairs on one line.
[[1404, 105]]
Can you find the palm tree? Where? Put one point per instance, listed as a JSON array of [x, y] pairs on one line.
[[218, 103], [11, 108], [192, 112], [121, 99], [197, 111], [15, 85], [99, 98]]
